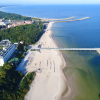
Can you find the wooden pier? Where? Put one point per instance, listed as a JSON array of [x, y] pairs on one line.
[[72, 49]]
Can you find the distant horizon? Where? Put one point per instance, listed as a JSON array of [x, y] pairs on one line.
[[42, 4], [48, 2]]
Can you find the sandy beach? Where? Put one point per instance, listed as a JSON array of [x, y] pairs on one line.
[[50, 83]]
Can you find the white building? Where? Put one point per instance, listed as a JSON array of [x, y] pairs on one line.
[[5, 42], [6, 53], [16, 44], [10, 26], [0, 20], [2, 23], [28, 22]]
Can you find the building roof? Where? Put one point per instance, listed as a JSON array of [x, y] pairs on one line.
[[2, 23], [0, 20], [28, 22], [3, 52], [4, 42]]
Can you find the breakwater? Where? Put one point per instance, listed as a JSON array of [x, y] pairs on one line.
[[43, 19], [64, 19], [74, 19]]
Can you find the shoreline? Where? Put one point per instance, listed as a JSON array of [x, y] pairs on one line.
[[71, 91], [50, 20], [61, 70], [66, 88], [51, 82], [63, 66]]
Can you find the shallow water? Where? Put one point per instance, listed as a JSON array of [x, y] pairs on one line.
[[82, 67]]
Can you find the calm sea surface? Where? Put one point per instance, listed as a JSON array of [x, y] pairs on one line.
[[83, 68]]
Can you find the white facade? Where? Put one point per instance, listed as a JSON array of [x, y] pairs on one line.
[[2, 23], [10, 26], [0, 20], [10, 50]]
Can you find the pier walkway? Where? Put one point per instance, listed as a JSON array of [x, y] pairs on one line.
[[70, 49]]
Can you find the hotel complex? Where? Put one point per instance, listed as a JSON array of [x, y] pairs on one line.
[[7, 50]]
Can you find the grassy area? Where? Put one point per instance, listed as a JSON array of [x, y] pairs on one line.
[[34, 50], [1, 47], [35, 43]]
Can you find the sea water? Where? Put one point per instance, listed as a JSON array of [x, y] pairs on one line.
[[83, 67]]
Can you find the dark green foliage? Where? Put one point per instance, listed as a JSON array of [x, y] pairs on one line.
[[20, 55], [28, 33], [2, 26], [9, 80], [13, 16], [24, 86], [22, 48], [99, 95], [1, 47]]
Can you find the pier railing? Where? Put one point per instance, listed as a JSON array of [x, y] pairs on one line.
[[70, 49]]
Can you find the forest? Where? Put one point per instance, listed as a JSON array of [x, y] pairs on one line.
[[29, 33], [13, 16], [10, 89], [9, 81]]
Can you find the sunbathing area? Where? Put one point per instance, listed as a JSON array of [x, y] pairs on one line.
[[49, 83]]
